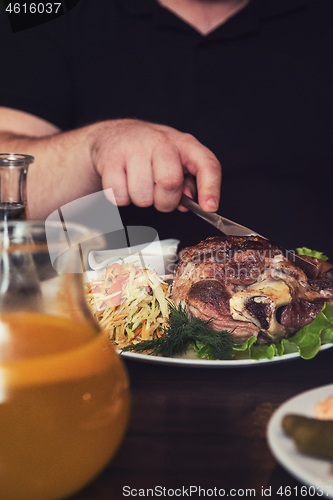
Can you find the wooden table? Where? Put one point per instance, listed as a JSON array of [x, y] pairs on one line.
[[205, 428]]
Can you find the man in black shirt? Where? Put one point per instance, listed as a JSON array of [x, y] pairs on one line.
[[250, 80]]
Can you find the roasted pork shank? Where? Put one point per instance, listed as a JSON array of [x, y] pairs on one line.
[[247, 286]]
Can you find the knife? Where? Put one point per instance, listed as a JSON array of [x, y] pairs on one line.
[[231, 228]]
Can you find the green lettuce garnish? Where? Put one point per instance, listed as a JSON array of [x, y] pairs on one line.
[[306, 341], [251, 350], [311, 253]]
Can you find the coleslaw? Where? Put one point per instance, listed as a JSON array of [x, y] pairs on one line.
[[130, 302]]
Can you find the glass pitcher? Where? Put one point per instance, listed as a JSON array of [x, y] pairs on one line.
[[13, 185], [64, 395]]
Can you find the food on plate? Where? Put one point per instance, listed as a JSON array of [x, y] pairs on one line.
[[232, 297], [311, 436], [131, 302], [324, 409], [248, 287], [183, 334]]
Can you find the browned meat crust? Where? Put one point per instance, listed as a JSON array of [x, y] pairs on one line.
[[247, 286], [300, 313], [208, 299]]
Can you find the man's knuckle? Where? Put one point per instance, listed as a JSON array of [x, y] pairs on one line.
[[188, 139], [171, 182], [160, 138], [212, 164]]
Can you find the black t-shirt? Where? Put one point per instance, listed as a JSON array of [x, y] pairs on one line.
[[257, 91]]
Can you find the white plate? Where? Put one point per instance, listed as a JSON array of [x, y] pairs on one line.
[[315, 473], [195, 362]]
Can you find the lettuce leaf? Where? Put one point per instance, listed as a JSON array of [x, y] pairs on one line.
[[311, 253], [202, 350], [306, 341], [251, 350]]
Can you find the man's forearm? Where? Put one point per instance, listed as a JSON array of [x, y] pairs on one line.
[[62, 170]]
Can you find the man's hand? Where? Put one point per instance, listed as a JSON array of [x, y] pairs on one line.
[[150, 164]]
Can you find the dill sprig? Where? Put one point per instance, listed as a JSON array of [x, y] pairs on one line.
[[183, 333]]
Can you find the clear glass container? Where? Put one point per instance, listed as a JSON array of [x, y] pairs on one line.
[[13, 185], [64, 393]]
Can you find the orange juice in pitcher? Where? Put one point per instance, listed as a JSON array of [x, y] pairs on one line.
[[64, 395]]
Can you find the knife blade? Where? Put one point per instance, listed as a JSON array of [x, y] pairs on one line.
[[227, 226], [231, 228]]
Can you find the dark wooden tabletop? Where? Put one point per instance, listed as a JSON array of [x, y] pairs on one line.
[[205, 428]]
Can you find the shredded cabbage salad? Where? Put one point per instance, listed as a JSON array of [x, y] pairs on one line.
[[130, 302]]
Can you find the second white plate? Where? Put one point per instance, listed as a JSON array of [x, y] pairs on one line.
[[315, 473]]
